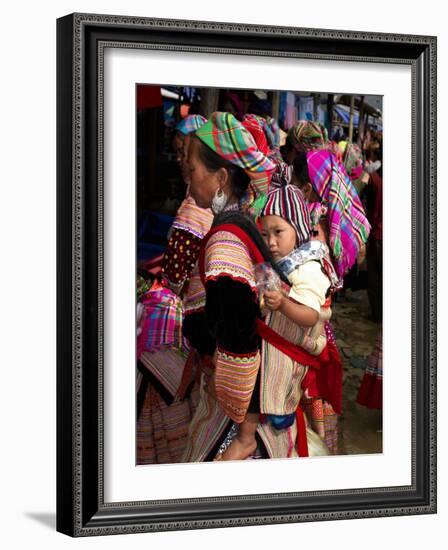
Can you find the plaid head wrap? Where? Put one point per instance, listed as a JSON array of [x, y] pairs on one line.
[[308, 135], [288, 203], [254, 124], [352, 159], [347, 223], [190, 124], [229, 139], [269, 127], [269, 145]]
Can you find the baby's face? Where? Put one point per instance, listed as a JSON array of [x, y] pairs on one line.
[[279, 235]]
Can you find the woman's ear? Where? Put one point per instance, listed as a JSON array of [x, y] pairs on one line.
[[223, 178]]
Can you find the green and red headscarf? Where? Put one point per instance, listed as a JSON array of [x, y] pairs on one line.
[[308, 135], [229, 139], [352, 159]]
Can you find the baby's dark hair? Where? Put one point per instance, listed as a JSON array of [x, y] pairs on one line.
[[300, 169], [213, 162]]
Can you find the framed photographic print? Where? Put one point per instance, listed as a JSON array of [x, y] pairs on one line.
[[232, 274]]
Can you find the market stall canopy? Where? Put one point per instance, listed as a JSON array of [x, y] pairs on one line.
[[368, 108], [344, 113]]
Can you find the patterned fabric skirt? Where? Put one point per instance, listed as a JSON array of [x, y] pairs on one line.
[[163, 419], [370, 393], [323, 420], [162, 429]]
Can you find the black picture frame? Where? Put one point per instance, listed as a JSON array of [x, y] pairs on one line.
[[81, 39]]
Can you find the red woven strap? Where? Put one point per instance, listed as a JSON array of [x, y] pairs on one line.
[[291, 350], [295, 352], [302, 443]]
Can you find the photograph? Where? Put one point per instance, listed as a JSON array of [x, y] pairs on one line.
[[224, 224], [259, 274], [232, 273]]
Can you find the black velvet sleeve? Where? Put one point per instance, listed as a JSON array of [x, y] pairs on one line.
[[231, 312], [195, 330]]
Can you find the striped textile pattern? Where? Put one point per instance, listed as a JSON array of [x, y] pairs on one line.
[[281, 376], [347, 223], [235, 377], [162, 325], [323, 420], [226, 255], [166, 365], [190, 217], [288, 203], [194, 299], [162, 430], [206, 426]]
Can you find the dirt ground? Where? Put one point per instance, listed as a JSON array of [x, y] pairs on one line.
[[360, 428]]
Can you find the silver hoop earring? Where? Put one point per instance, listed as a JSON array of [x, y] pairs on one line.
[[219, 201]]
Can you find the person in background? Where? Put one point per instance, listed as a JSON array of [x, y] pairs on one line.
[[232, 104], [339, 220], [163, 415], [370, 393], [308, 135], [352, 159]]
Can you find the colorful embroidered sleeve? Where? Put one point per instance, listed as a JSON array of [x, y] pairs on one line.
[[235, 377], [227, 256], [231, 312], [190, 217]]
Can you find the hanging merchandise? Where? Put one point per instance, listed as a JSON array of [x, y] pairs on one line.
[[306, 108]]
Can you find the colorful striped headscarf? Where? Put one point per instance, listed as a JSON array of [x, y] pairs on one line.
[[269, 146], [229, 139], [190, 124], [270, 128], [307, 135], [347, 223], [256, 126], [288, 203], [352, 159], [282, 173]]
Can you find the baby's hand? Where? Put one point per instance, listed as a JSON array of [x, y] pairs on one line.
[[273, 299]]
